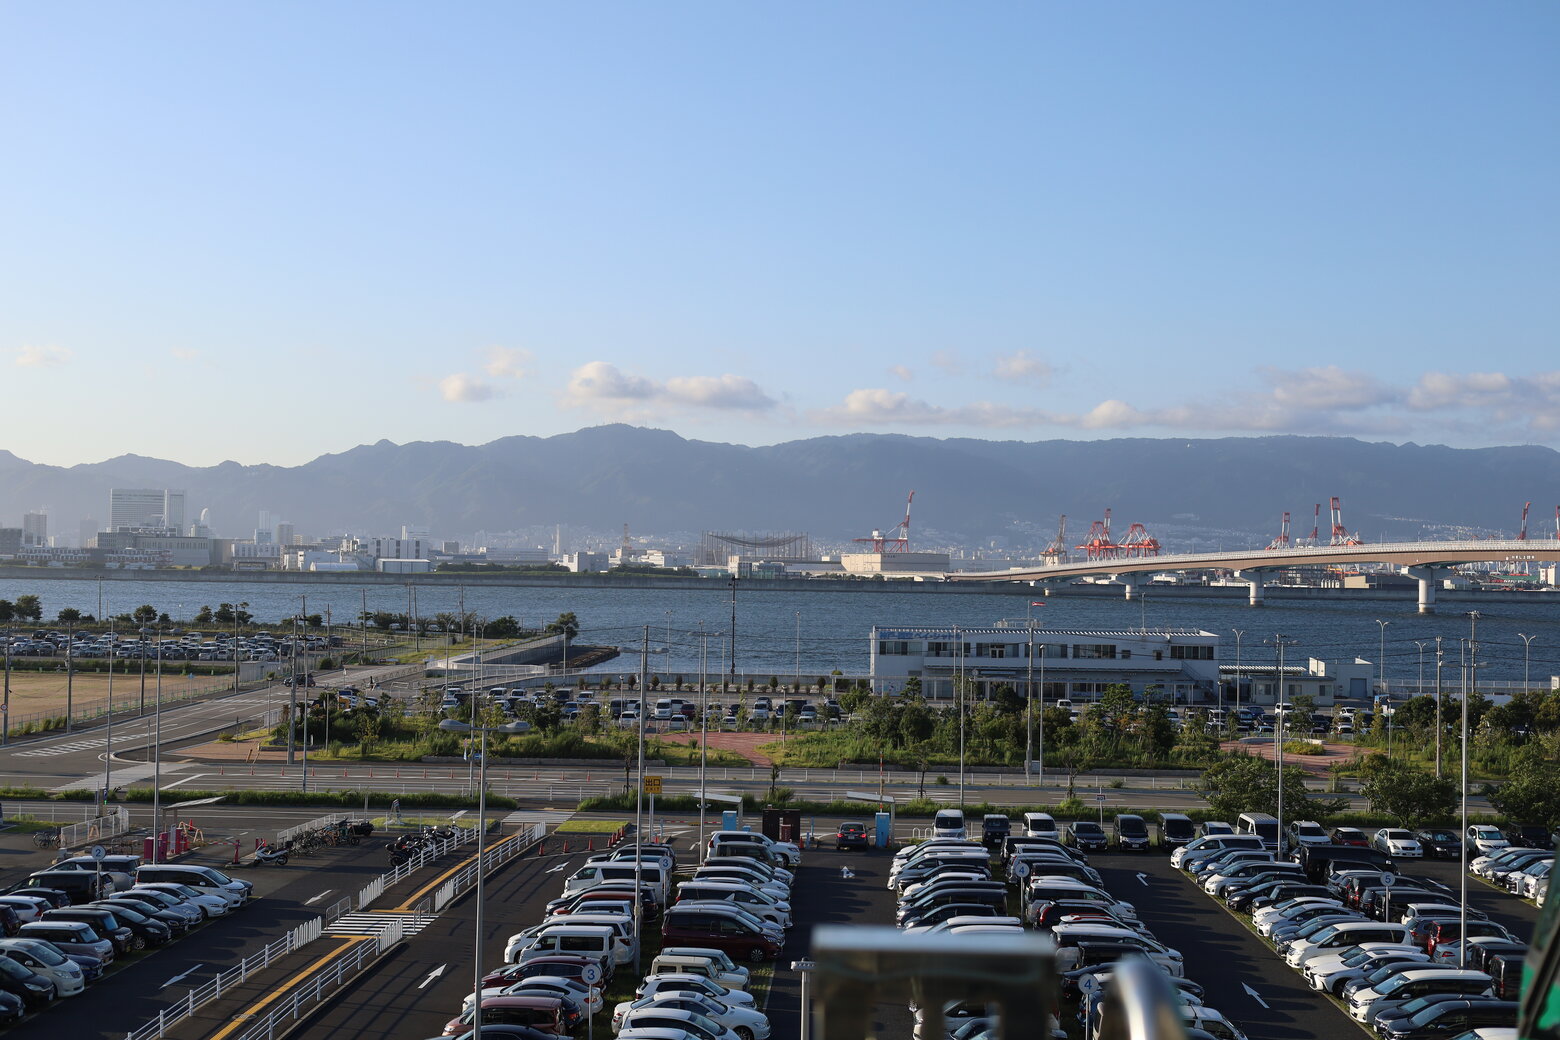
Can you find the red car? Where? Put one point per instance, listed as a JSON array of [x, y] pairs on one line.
[[1350, 836]]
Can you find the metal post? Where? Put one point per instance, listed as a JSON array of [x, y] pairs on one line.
[[1439, 726], [157, 842], [1029, 694], [70, 675], [476, 943], [731, 663], [958, 702], [1527, 646], [1470, 682], [5, 708], [108, 754], [1239, 635], [639, 798], [704, 740], [1381, 665]]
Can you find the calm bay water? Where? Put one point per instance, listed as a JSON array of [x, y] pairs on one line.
[[834, 624]]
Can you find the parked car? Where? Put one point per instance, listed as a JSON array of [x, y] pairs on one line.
[[851, 836], [1440, 843], [1397, 843], [1087, 835]]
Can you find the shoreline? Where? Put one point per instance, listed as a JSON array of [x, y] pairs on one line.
[[806, 585]]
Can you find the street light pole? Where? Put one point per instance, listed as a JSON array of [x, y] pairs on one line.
[[1470, 682], [1527, 646], [704, 736], [1029, 694], [157, 841], [639, 797], [958, 702], [1420, 688], [108, 751], [1281, 641], [1239, 635], [1381, 665], [1440, 660]]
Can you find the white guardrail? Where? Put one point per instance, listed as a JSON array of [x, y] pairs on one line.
[[101, 828], [343, 967]]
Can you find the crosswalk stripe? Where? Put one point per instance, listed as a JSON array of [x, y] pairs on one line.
[[358, 923]]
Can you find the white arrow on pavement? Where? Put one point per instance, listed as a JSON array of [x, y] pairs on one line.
[[555, 870], [1253, 994], [1143, 878], [436, 972], [181, 978], [315, 899]]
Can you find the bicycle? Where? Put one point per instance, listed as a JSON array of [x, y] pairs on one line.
[[46, 839]]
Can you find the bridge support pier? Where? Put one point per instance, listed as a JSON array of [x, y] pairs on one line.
[[1129, 585], [1254, 580], [1426, 576]]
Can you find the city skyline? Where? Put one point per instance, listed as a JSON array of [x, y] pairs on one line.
[[294, 234]]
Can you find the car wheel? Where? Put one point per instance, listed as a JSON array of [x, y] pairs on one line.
[[137, 944], [756, 955], [744, 1033]]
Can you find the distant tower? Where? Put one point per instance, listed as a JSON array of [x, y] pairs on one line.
[[557, 539], [35, 528]]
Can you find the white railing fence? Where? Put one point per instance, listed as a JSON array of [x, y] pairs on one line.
[[101, 828]]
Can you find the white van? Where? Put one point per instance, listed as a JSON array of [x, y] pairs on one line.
[[948, 823], [1040, 825], [593, 874], [1263, 825], [598, 942], [622, 928], [698, 960]]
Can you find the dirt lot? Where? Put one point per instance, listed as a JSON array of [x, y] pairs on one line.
[[45, 691]]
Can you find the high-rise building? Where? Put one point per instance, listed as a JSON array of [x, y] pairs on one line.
[[284, 533], [265, 528], [35, 528], [133, 508], [86, 533]]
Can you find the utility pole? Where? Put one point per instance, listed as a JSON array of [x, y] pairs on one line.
[[732, 663], [1280, 641], [1439, 726], [1470, 683]]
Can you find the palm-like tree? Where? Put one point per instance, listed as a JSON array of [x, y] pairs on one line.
[[566, 624]]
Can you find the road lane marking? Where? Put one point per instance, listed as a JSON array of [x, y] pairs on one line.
[[181, 978], [1253, 994], [244, 1018], [435, 973], [412, 899], [315, 899]]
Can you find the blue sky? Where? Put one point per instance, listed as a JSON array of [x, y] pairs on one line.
[[266, 232]]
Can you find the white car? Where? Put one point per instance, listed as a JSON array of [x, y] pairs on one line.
[[1397, 843], [747, 1023], [1484, 839], [1321, 973], [789, 851], [586, 996], [1267, 913], [1299, 912], [212, 902], [677, 982]]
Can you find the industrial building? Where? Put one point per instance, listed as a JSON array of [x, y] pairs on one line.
[[1080, 665]]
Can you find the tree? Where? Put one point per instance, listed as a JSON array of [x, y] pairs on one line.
[[70, 615], [1242, 783], [1532, 794], [224, 614], [204, 617], [1412, 795], [7, 610], [505, 627], [28, 608], [382, 620], [566, 624], [145, 614], [164, 619]]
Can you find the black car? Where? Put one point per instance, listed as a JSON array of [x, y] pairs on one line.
[[148, 931], [994, 830], [1448, 1018], [12, 1008], [851, 836], [1529, 836], [1086, 834], [55, 896], [175, 924], [34, 989], [1440, 843], [103, 922], [10, 921]]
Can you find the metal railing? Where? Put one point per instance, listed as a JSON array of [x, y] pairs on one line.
[[357, 957], [95, 830], [199, 996], [317, 824]]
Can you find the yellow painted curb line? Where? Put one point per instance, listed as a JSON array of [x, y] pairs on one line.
[[242, 1019]]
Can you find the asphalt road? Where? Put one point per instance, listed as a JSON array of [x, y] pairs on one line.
[[139, 986]]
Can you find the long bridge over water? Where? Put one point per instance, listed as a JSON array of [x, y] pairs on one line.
[[1426, 562]]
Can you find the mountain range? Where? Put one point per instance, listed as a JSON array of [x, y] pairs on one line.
[[1190, 493]]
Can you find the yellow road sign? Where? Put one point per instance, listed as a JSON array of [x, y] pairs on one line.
[[652, 785]]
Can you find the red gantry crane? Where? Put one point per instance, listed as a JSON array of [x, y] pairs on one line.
[[1282, 541], [898, 538]]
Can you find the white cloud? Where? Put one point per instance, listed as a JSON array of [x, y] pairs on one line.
[[949, 361], [460, 388], [901, 373], [508, 362], [1327, 387], [880, 407], [1022, 366], [605, 387], [43, 357]]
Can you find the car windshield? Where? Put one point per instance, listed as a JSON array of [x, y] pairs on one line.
[[1427, 1014], [1486, 832], [1318, 932], [1087, 828], [11, 969]]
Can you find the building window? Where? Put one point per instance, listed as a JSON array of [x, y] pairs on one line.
[[990, 650], [1191, 653], [1095, 651], [893, 647]]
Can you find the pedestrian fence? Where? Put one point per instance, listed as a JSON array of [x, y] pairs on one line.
[[318, 824], [101, 828]]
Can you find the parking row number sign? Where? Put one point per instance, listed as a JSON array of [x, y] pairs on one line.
[[652, 785]]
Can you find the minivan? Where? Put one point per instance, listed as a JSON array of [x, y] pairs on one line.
[[593, 874], [1264, 825], [204, 878], [79, 885], [598, 942], [1175, 830], [1131, 833], [701, 960], [120, 869], [1040, 825], [701, 926], [71, 937], [948, 823]]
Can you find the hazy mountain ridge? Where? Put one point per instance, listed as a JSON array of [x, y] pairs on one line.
[[834, 487]]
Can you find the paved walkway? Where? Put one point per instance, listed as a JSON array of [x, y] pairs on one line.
[[744, 744], [1318, 765]]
